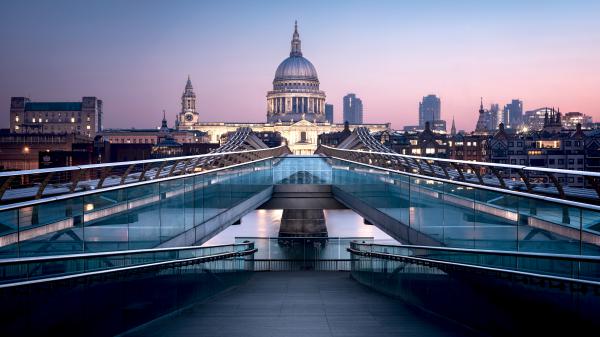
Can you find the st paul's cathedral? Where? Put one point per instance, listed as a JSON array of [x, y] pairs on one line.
[[295, 107]]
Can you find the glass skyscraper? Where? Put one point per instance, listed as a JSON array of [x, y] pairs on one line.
[[353, 109], [429, 110]]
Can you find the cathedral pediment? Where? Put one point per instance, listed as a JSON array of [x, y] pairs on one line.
[[303, 122]]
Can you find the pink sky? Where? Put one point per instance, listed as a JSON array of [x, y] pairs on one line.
[[390, 54]]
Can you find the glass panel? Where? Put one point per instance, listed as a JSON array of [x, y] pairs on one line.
[[143, 217], [9, 228], [51, 228]]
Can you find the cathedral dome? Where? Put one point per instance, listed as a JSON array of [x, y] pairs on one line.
[[296, 68], [295, 95]]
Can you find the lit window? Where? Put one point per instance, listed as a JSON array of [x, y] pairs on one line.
[[72, 119], [88, 127], [16, 118], [548, 144], [430, 150]]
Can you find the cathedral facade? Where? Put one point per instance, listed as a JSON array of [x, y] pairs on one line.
[[295, 107]]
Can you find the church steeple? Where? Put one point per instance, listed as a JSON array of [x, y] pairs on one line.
[[296, 48], [453, 129], [164, 127], [481, 106], [188, 115], [188, 85], [481, 126]]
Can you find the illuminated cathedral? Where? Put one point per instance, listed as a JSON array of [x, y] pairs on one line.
[[295, 107]]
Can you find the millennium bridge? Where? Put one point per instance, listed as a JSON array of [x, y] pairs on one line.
[[121, 248]]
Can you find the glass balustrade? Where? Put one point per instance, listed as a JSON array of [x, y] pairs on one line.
[[136, 216], [449, 213], [457, 215], [27, 269]]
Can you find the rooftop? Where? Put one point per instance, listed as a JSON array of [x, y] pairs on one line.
[[53, 106]]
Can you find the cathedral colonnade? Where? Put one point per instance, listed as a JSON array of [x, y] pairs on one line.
[[279, 105]]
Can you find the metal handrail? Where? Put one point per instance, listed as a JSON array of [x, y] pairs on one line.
[[110, 188], [566, 257], [473, 266], [137, 162], [96, 177], [110, 253], [467, 162], [473, 185], [212, 257], [450, 170], [307, 237]]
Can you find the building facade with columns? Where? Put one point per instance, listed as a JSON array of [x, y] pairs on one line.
[[295, 107]]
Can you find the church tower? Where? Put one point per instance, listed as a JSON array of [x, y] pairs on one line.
[[188, 115], [481, 127]]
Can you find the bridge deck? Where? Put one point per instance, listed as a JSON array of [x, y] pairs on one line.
[[301, 304]]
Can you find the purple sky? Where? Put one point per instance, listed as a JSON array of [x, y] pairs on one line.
[[136, 55]]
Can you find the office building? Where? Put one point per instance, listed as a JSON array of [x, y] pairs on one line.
[[353, 109], [429, 110], [329, 113], [80, 118], [512, 114]]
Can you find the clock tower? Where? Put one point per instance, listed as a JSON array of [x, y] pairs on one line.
[[188, 115]]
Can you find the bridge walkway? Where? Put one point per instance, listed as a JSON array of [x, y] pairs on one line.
[[301, 304]]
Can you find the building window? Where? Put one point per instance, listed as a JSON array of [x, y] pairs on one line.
[[72, 119], [561, 162], [548, 144], [551, 161], [571, 161], [580, 161], [430, 150], [88, 127]]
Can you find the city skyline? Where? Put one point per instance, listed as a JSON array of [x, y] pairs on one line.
[[137, 61]]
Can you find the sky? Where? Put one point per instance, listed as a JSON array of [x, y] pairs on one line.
[[136, 55]]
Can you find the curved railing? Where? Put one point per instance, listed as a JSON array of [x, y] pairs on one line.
[[499, 293], [27, 185], [558, 183], [557, 267], [106, 294], [27, 271]]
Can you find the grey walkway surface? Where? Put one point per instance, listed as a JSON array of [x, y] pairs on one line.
[[301, 304]]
